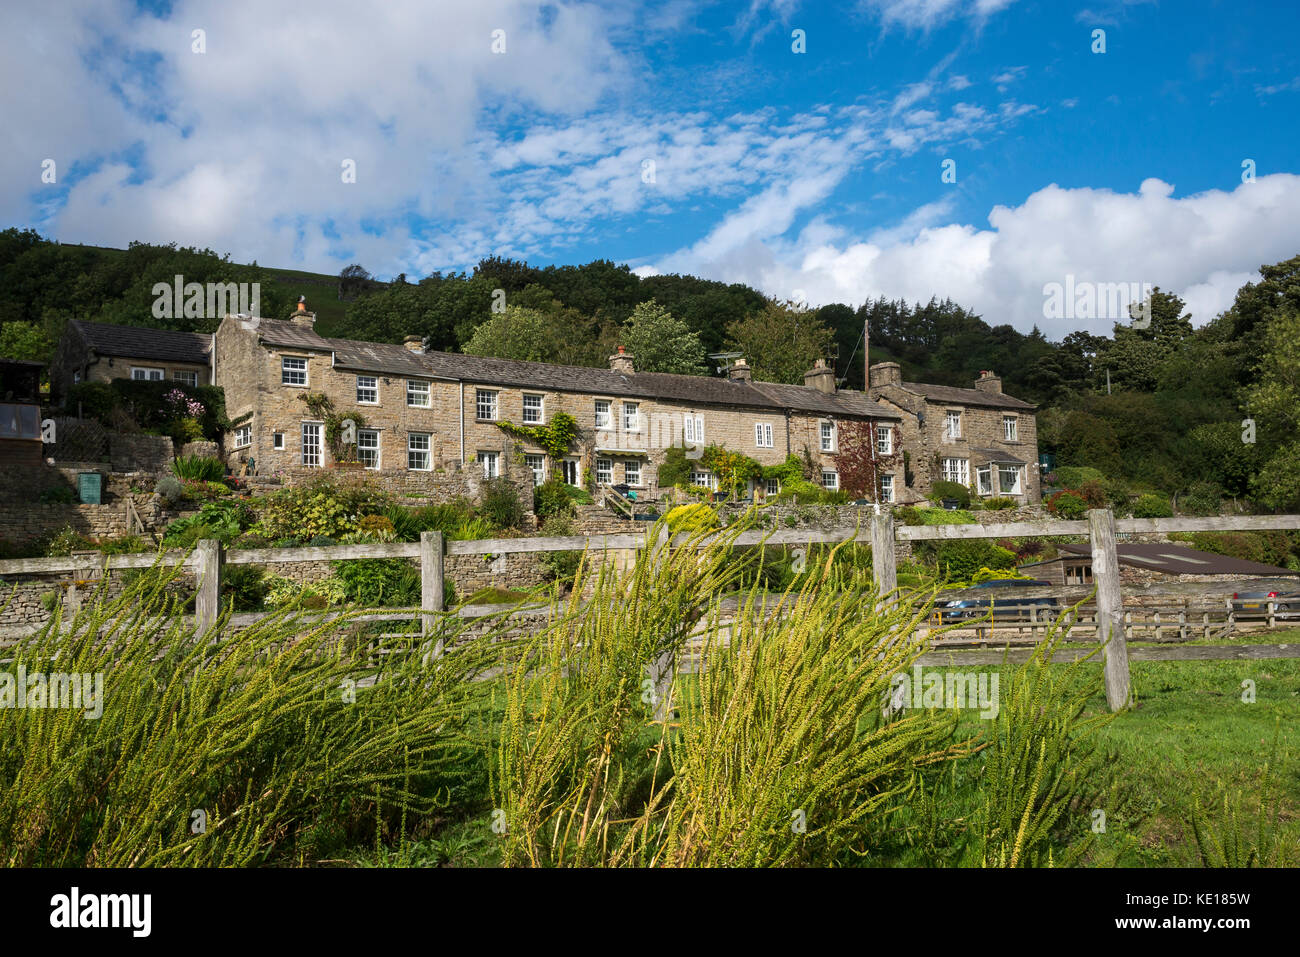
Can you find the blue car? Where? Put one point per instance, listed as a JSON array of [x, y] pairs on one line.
[[1004, 609]]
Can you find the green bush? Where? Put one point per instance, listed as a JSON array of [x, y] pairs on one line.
[[197, 468], [1068, 505], [60, 494], [941, 490], [1073, 476], [169, 489], [1204, 498], [501, 505], [322, 507], [223, 521], [244, 586], [675, 469], [1152, 506], [552, 499], [998, 503], [379, 582], [962, 559]]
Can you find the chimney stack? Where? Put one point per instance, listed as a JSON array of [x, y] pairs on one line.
[[820, 377], [740, 371], [302, 317], [621, 362], [885, 373], [414, 344], [988, 382]]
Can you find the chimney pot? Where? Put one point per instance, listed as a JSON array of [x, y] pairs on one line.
[[414, 344], [621, 361], [988, 382], [820, 377], [740, 371]]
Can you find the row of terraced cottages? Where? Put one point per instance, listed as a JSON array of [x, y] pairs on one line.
[[424, 411]]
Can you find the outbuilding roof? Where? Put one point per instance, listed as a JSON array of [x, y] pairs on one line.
[[135, 342], [1177, 560]]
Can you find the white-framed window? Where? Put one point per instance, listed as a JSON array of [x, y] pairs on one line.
[[532, 408], [569, 471], [485, 404], [828, 435], [830, 480], [277, 441], [984, 480], [1009, 479], [886, 488], [632, 472], [368, 448], [418, 448], [491, 462], [293, 370], [185, 377], [417, 393], [956, 470], [605, 471], [367, 390], [537, 465], [76, 376], [243, 436], [146, 374], [763, 435], [1009, 428], [693, 429], [604, 417], [952, 424], [631, 417], [702, 479], [312, 434], [773, 486], [884, 440]]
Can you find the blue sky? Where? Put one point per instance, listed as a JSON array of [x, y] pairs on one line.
[[813, 175]]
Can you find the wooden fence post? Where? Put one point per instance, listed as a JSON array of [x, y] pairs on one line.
[[883, 566], [431, 581], [664, 668], [1110, 607], [207, 577]]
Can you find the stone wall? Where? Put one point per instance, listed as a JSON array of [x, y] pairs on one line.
[[141, 452]]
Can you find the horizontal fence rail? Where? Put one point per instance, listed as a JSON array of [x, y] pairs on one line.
[[1102, 601]]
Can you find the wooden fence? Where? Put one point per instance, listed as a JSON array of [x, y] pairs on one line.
[[1101, 527]]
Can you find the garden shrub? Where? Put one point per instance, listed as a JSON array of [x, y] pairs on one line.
[[1204, 498], [1073, 476], [379, 582], [955, 490], [60, 494], [552, 498], [244, 586], [1068, 505], [674, 470], [1093, 494], [197, 468], [322, 507], [501, 505], [962, 559], [169, 489], [998, 503], [695, 517], [1152, 506]]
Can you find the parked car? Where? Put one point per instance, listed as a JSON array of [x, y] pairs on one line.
[[1004, 609], [1254, 604]]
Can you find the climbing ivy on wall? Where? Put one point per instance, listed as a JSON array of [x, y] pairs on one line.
[[556, 436]]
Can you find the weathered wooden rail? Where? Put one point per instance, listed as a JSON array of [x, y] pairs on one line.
[[1101, 527]]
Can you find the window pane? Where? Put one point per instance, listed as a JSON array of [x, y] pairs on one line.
[[417, 393], [604, 471], [367, 389], [368, 448], [311, 444], [485, 404], [632, 473], [417, 451], [532, 408]]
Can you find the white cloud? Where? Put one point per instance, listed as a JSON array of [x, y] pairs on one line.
[[927, 14], [1202, 247]]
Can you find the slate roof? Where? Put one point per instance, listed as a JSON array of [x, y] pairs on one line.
[[948, 393], [391, 359], [134, 342], [1180, 560]]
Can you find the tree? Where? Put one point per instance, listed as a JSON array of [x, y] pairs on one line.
[[660, 342], [1274, 403], [353, 281], [781, 342], [24, 340]]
